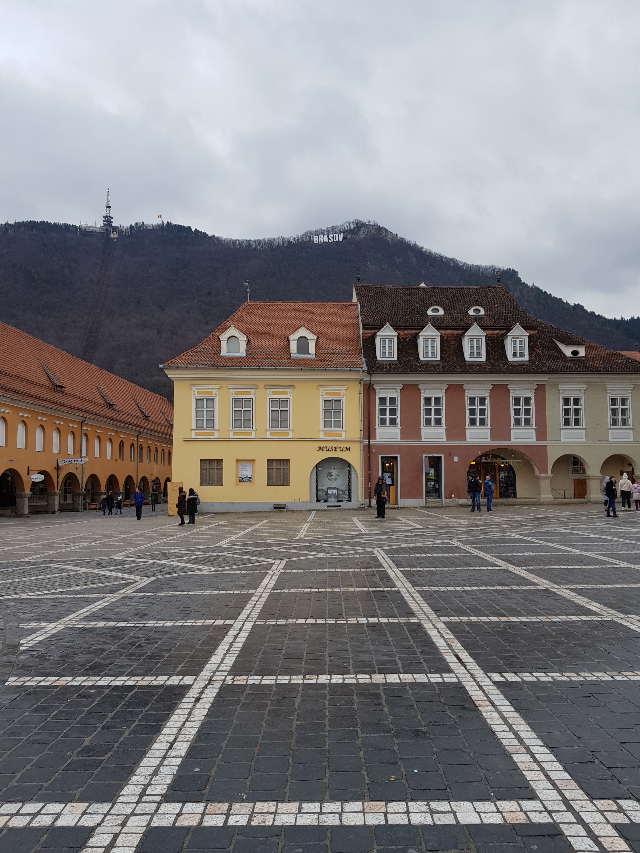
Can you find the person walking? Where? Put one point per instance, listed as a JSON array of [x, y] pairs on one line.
[[192, 505], [488, 492], [381, 494], [154, 501], [138, 499], [103, 505], [110, 503], [181, 506], [612, 494], [635, 491], [119, 504], [604, 491], [624, 488], [474, 487]]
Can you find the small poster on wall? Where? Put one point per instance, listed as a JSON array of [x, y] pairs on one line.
[[245, 472]]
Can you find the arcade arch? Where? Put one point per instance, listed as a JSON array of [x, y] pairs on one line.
[[333, 480], [569, 477], [513, 474]]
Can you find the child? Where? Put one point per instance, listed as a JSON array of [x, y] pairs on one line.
[[635, 491]]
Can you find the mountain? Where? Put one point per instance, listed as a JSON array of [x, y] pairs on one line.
[[168, 286]]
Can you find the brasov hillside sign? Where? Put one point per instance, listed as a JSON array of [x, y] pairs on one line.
[[334, 237]]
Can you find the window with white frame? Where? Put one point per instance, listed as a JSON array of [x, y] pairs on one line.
[[279, 412], [21, 442], [521, 411], [619, 411], [109, 448], [387, 344], [477, 411], [432, 411], [96, 447], [332, 413], [55, 442], [388, 410], [205, 411], [572, 411], [40, 438], [242, 412], [475, 348], [430, 348], [83, 452], [70, 443], [387, 347], [517, 344], [518, 348]]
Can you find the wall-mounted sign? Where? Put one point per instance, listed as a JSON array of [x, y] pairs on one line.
[[333, 448], [245, 472], [81, 460], [37, 478], [334, 237]]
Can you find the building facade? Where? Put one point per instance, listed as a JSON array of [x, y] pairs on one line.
[[70, 431], [268, 409], [462, 380]]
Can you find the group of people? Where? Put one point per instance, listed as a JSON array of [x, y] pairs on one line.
[[627, 489], [475, 487], [109, 502], [187, 504]]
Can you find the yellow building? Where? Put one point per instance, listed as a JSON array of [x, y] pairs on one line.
[[267, 410]]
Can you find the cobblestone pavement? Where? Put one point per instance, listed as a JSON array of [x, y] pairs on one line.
[[306, 682]]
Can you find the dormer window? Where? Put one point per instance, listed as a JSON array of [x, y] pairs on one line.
[[302, 344], [474, 344], [386, 344], [517, 344], [429, 344], [572, 350], [435, 311], [233, 343], [476, 311]]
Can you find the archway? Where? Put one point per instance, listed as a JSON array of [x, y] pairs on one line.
[[165, 488], [333, 481], [10, 483], [617, 465], [70, 485], [569, 475], [112, 484], [129, 487], [144, 485], [38, 491], [91, 489]]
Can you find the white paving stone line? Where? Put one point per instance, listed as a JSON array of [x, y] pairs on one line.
[[629, 621], [155, 772], [238, 535], [303, 530], [67, 621], [630, 675], [360, 525], [569, 806], [74, 622]]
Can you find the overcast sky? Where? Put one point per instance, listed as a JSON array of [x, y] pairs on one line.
[[496, 131]]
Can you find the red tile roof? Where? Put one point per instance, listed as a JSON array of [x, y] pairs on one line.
[[36, 372], [630, 353], [268, 326]]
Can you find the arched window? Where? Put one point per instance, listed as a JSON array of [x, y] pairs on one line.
[[233, 344], [139, 453], [109, 448], [3, 432], [83, 452], [169, 454], [132, 453], [40, 438], [96, 447], [70, 443], [162, 457], [148, 455], [121, 451], [55, 442], [155, 456], [22, 435], [303, 346]]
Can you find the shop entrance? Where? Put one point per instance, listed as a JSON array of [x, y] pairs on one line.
[[500, 471], [389, 473], [432, 479]]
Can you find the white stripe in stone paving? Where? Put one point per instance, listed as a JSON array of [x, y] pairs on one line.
[[301, 533], [558, 792]]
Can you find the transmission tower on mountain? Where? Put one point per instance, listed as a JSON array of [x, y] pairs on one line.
[[102, 283]]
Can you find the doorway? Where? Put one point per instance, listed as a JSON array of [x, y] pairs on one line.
[[499, 470], [432, 479], [389, 473]]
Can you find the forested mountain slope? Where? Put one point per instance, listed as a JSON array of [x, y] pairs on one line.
[[169, 286]]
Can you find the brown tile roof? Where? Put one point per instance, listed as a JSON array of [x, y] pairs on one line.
[[268, 326], [34, 371], [630, 353], [405, 309]]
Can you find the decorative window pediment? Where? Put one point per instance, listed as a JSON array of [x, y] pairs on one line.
[[429, 344], [302, 344], [517, 344], [474, 344], [233, 342], [387, 344]]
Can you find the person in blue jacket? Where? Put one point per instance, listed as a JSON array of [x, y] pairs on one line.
[[488, 492], [139, 501]]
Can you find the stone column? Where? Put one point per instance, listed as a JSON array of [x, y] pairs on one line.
[[22, 504], [78, 501], [544, 488], [53, 502], [594, 489]]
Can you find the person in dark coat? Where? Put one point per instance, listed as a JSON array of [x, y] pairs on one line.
[[181, 506], [381, 494], [119, 505], [488, 492], [612, 493], [138, 499], [103, 505], [153, 501], [474, 487], [110, 503], [192, 505]]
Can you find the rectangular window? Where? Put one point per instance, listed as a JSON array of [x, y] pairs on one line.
[[332, 413], [475, 347], [205, 412], [279, 413], [388, 411], [431, 411], [387, 347], [211, 472], [277, 472], [522, 411], [430, 348], [572, 411], [242, 412], [619, 412], [477, 411], [577, 466], [518, 348]]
